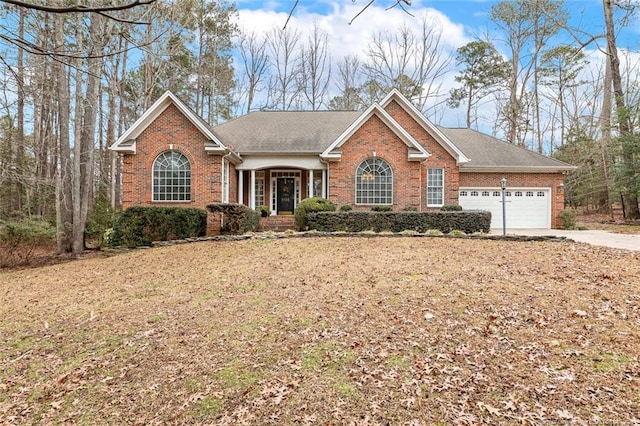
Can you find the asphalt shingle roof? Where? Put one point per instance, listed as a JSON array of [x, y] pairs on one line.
[[285, 131], [486, 151], [306, 132]]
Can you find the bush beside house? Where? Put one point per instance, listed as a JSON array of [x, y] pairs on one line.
[[465, 221]]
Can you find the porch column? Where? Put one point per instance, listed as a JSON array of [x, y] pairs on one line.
[[240, 187], [252, 190], [325, 173], [310, 184]]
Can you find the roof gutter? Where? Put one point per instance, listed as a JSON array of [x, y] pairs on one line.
[[516, 169]]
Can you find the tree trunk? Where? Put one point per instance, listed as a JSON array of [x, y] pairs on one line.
[[630, 198], [64, 208]]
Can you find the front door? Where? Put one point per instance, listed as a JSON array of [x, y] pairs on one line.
[[285, 195]]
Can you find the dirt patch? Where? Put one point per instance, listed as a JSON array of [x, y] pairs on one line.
[[326, 331]]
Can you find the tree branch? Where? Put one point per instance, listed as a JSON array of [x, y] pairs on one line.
[[77, 8]]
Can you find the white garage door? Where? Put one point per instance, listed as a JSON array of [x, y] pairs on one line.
[[525, 207]]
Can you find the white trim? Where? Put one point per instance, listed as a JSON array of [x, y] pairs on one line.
[[390, 122], [273, 188], [516, 169], [443, 186], [149, 116], [355, 184], [240, 186], [225, 181], [252, 190], [304, 162], [433, 130], [310, 184], [325, 173]]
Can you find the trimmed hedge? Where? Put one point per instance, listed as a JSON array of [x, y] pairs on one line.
[[237, 218], [311, 205], [466, 221], [139, 225]]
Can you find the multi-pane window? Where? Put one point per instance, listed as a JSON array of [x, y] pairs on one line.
[[435, 187], [259, 189], [171, 177], [225, 181], [374, 182]]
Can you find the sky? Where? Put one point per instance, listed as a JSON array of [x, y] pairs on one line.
[[461, 21]]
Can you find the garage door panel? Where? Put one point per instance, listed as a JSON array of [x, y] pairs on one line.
[[525, 207]]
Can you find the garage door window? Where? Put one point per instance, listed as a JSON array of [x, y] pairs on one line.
[[435, 187]]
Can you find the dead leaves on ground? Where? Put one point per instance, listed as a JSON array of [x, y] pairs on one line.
[[326, 331]]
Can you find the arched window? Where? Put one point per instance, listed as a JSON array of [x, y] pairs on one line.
[[374, 182], [171, 177]]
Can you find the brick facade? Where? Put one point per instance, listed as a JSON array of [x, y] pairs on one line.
[[172, 127], [374, 138]]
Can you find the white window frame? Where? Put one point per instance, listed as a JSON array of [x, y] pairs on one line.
[[225, 180], [259, 189], [439, 188], [362, 198], [275, 174], [174, 189]]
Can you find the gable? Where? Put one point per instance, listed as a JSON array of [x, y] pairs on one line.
[[415, 151], [126, 144], [417, 117]]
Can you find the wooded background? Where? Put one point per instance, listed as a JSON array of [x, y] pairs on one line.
[[75, 77]]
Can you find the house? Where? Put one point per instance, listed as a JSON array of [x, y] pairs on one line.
[[389, 154]]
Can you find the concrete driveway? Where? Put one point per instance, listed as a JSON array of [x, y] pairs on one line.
[[595, 237]]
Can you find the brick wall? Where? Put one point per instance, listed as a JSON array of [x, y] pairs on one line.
[[206, 179], [439, 158], [515, 180], [409, 177]]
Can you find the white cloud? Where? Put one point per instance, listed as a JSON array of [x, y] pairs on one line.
[[345, 39]]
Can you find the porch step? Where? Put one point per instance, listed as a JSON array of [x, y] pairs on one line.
[[278, 223]]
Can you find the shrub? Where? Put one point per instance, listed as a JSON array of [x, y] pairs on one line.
[[410, 209], [465, 221], [20, 240], [346, 208], [311, 205], [237, 218], [568, 217], [451, 208], [139, 226], [101, 218], [263, 210], [383, 208]]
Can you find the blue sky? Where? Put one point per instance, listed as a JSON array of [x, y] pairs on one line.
[[460, 21]]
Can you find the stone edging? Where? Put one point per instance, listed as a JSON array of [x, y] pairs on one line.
[[316, 234]]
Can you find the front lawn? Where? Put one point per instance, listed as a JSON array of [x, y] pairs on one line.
[[326, 331]]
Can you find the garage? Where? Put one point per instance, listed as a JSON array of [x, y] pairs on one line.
[[525, 207]]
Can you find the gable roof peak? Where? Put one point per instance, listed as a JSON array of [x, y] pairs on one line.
[[126, 143], [419, 117]]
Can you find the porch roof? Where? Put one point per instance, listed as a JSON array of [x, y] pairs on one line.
[[269, 132]]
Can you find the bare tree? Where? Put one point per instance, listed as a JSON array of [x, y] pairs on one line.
[[413, 62], [255, 63], [284, 90], [348, 84], [315, 68]]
